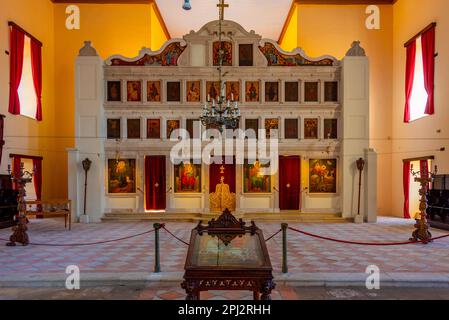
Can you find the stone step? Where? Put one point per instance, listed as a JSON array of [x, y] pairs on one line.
[[259, 217]]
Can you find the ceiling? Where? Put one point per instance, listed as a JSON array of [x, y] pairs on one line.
[[266, 17]]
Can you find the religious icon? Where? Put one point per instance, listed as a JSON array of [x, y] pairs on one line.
[[133, 128], [122, 176], [174, 91], [271, 91], [271, 124], [252, 91], [322, 176], [254, 180], [291, 91], [331, 91], [170, 56], [275, 58], [330, 129], [245, 55], [233, 90], [310, 128], [252, 125], [113, 128], [213, 90], [134, 91], [226, 47], [114, 91], [153, 128], [172, 125], [187, 177], [291, 128], [311, 91], [154, 91], [193, 91]]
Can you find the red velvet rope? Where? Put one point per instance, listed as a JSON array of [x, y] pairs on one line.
[[364, 243], [86, 244], [180, 240], [274, 235]]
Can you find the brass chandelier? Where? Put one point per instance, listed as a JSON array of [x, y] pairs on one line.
[[221, 113]]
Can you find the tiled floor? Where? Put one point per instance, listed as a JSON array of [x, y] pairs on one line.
[[158, 292], [306, 254]]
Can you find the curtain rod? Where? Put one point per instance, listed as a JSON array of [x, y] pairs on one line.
[[12, 24], [430, 26], [22, 156], [419, 159]]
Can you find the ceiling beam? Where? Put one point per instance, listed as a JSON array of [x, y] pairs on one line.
[[334, 2], [346, 2], [105, 1]]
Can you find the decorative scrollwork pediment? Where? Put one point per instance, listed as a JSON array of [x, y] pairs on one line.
[[168, 56], [227, 220], [277, 57]]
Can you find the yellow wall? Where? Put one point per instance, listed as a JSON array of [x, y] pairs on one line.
[[419, 138], [113, 29], [331, 30], [158, 37], [290, 39], [24, 135]]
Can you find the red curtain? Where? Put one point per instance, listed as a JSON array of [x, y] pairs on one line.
[[16, 165], [2, 142], [36, 64], [428, 51], [17, 42], [409, 78], [289, 183], [155, 183], [37, 177], [215, 175], [406, 185]]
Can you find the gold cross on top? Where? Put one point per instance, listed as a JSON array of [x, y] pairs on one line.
[[222, 5]]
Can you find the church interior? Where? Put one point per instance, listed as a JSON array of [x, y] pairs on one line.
[[119, 114]]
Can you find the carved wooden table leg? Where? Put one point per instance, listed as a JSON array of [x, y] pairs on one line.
[[256, 295], [191, 289], [267, 287]]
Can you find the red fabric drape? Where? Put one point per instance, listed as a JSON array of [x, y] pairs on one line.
[[2, 142], [36, 64], [17, 42], [215, 176], [409, 78], [428, 51], [406, 185], [37, 177], [289, 183], [16, 164], [155, 183]]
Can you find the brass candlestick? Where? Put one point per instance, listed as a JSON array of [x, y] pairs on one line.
[[20, 179], [422, 226]]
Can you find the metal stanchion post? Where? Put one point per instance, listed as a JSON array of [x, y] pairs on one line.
[[284, 227], [157, 262]]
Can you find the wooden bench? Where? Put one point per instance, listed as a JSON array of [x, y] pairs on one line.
[[51, 209]]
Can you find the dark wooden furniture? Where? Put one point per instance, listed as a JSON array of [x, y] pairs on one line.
[[227, 255], [51, 209], [8, 202], [438, 202]]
